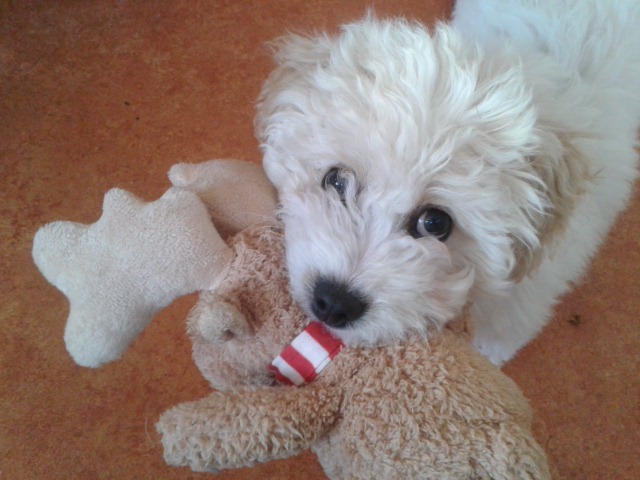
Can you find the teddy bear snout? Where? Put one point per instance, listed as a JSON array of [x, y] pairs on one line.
[[219, 322]]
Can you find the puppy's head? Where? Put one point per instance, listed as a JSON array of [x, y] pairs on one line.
[[406, 172]]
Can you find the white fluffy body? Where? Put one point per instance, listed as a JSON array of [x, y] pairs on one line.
[[518, 119]]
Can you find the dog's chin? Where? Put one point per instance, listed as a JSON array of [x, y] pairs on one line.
[[371, 331], [359, 334], [384, 322]]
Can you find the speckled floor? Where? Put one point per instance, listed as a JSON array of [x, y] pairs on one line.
[[101, 94]]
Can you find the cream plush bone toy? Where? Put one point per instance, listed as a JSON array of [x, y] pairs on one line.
[[413, 409], [139, 257]]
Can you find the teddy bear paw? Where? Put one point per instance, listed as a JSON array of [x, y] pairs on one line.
[[187, 439]]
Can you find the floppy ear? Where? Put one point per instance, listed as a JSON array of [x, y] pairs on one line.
[[284, 97], [294, 56], [563, 180]]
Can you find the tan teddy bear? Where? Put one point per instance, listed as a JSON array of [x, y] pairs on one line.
[[416, 408], [413, 409]]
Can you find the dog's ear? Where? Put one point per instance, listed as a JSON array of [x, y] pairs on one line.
[[540, 167], [283, 100], [296, 58], [562, 180]]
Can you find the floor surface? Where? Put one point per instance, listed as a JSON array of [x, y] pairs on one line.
[[101, 94]]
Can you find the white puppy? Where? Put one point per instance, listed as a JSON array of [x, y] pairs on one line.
[[482, 163]]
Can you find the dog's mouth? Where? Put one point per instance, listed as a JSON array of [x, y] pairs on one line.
[[336, 304]]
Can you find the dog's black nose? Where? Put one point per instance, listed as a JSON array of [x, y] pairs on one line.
[[335, 304]]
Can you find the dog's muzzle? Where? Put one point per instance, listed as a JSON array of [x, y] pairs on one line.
[[336, 305]]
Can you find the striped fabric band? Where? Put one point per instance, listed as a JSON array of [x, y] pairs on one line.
[[308, 354]]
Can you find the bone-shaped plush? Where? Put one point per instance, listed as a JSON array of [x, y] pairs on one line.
[[140, 256]]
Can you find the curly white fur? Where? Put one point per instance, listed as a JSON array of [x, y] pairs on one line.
[[518, 119]]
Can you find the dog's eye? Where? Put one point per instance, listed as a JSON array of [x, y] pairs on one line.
[[431, 222], [336, 179]]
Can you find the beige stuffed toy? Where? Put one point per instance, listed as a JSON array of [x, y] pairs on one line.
[[411, 409], [140, 256]]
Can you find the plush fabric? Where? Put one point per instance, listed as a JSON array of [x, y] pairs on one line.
[[413, 409], [140, 256], [252, 293], [121, 271]]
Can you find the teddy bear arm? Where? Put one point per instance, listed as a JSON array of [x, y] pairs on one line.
[[514, 454], [246, 426]]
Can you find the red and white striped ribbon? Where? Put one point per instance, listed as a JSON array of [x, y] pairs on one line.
[[308, 354]]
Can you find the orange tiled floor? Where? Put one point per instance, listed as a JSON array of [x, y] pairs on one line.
[[101, 94]]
